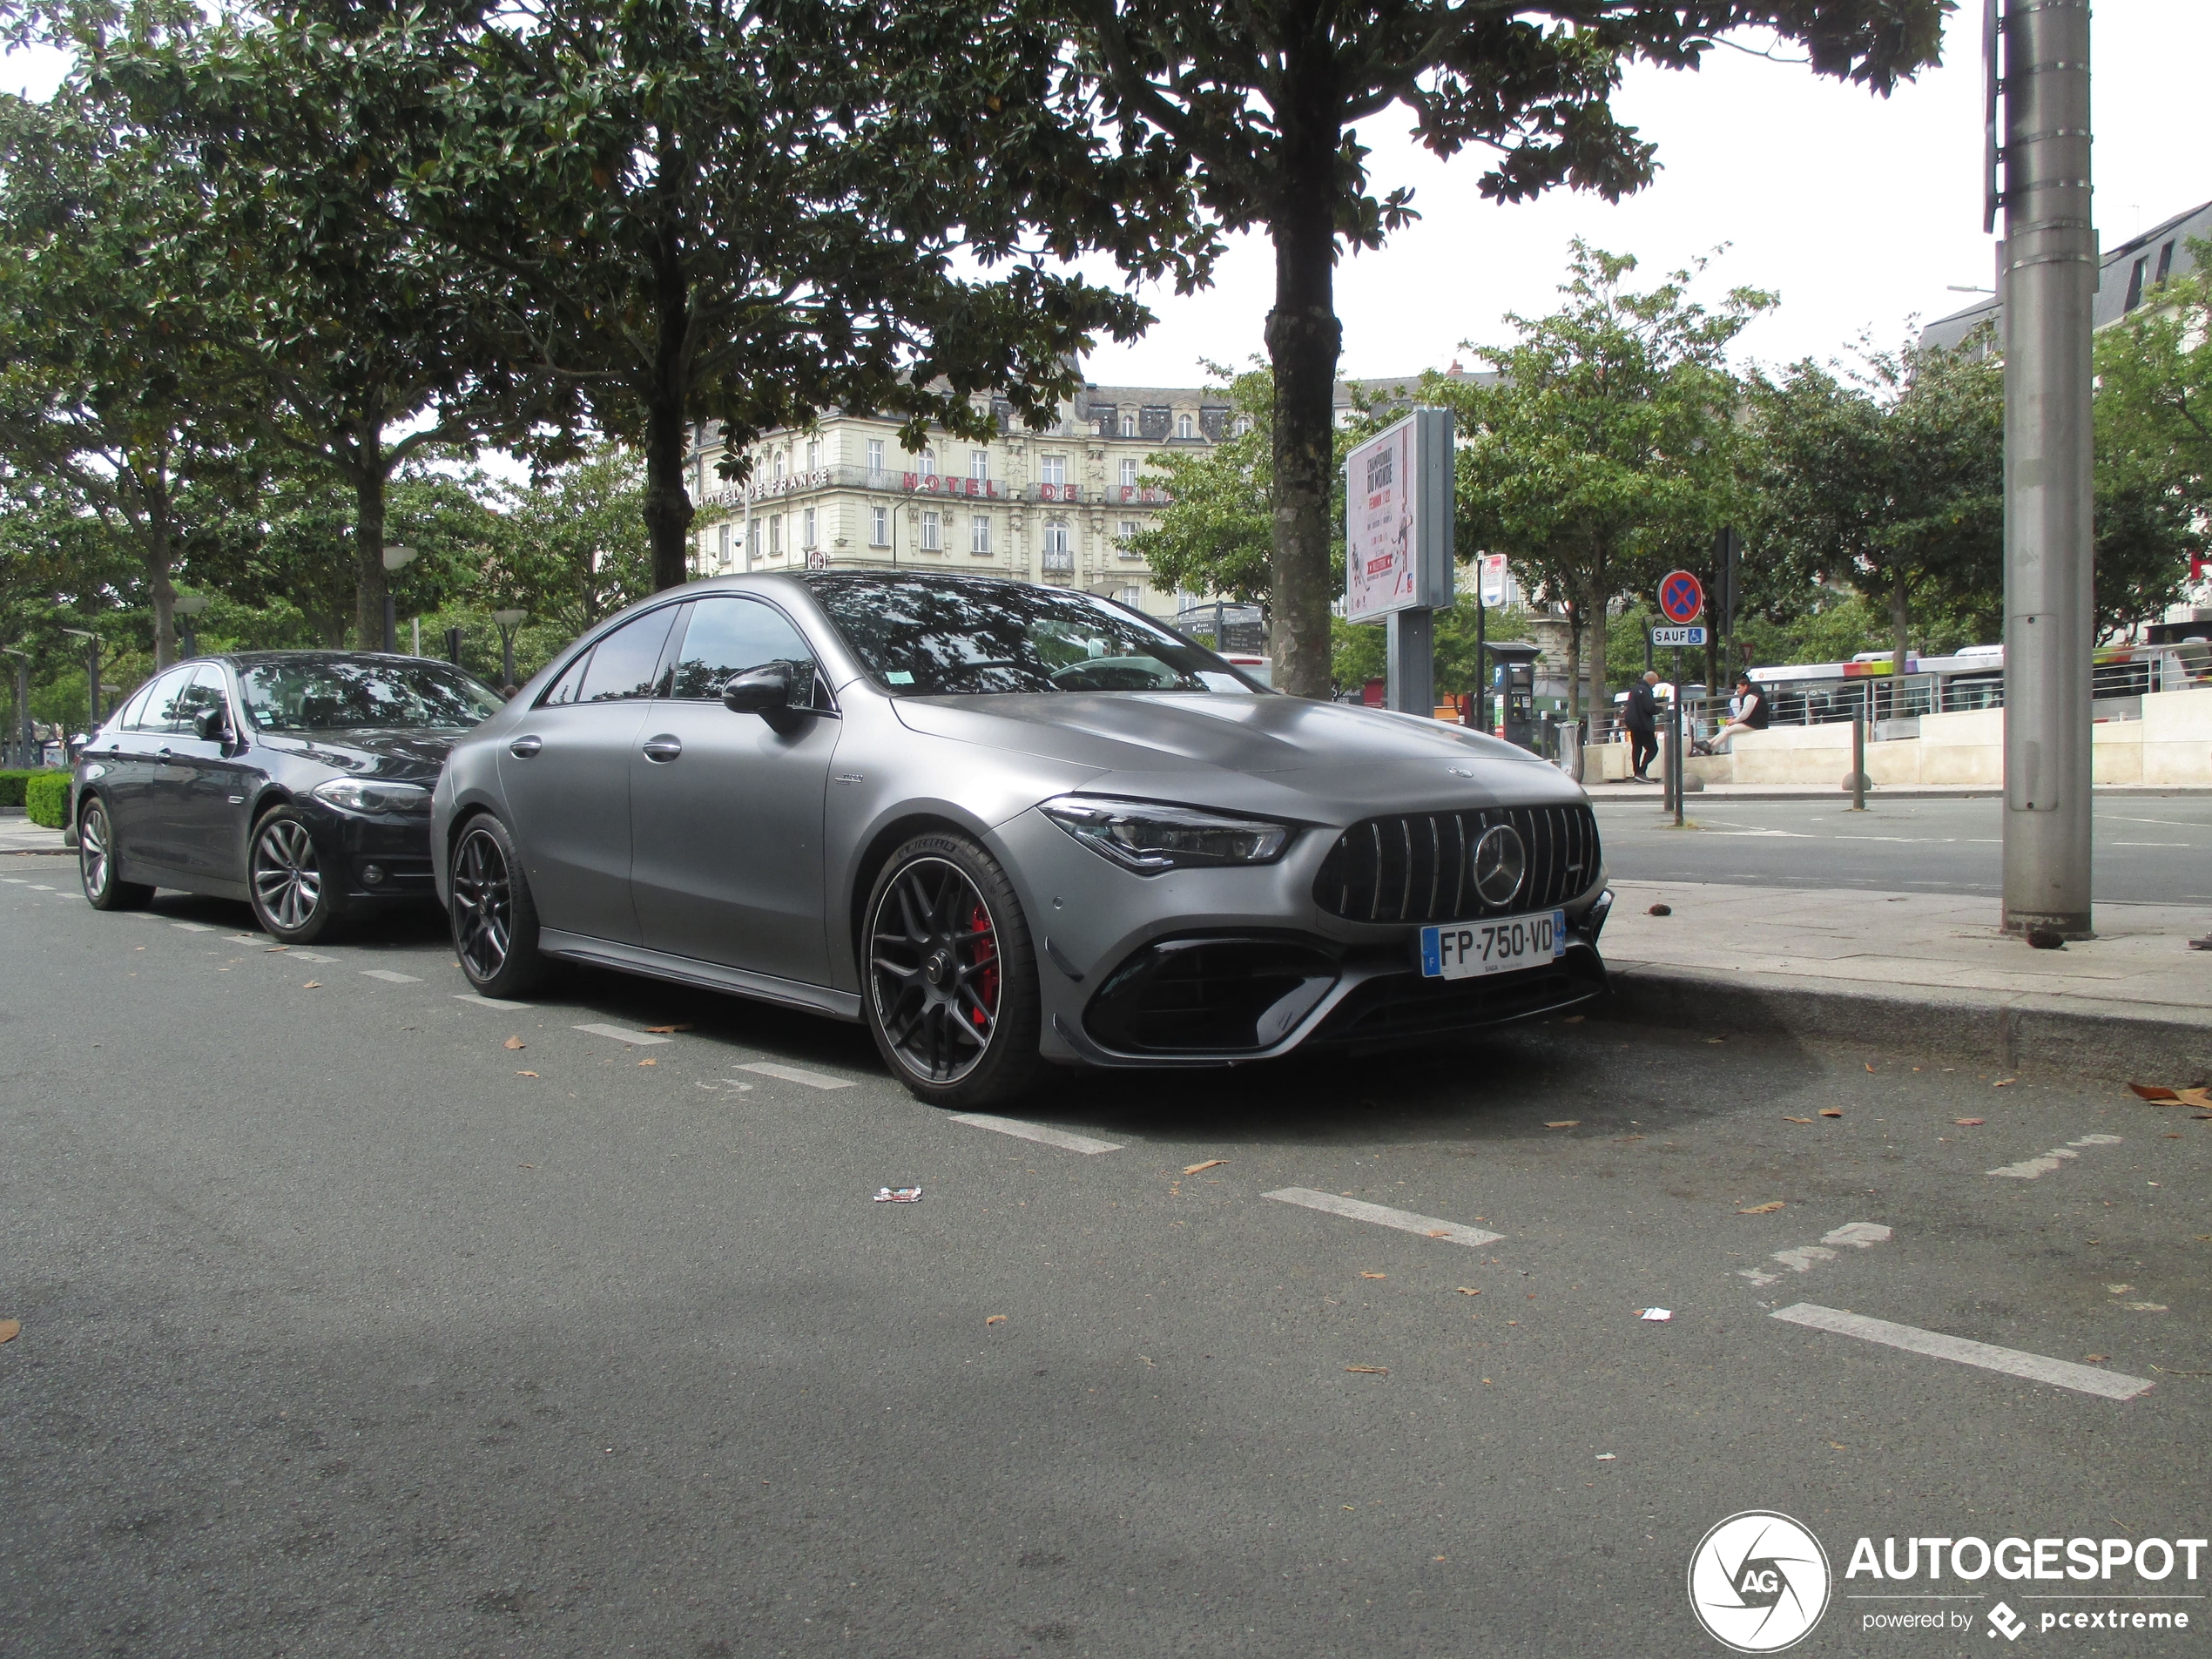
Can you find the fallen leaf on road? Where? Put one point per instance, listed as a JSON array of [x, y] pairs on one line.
[[2004, 1083], [2118, 1289], [1211, 1163], [526, 1073], [1565, 1123], [666, 1031], [2154, 1091], [271, 951], [1969, 1123], [2195, 1097], [1465, 1290], [526, 1166], [1370, 1371], [1716, 1039], [649, 1063], [2096, 1359], [1797, 1120], [1485, 1382], [1767, 1209], [1832, 1111], [1839, 1446], [1438, 1232], [1870, 1065], [2172, 1135], [1572, 1019], [996, 1319], [512, 1043], [1374, 1276], [312, 984], [1661, 910], [10, 1329]]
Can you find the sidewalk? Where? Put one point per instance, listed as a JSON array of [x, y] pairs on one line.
[[1916, 971], [19, 834]]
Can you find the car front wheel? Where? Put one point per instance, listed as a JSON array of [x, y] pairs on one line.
[[952, 995], [494, 920], [295, 899], [95, 866]]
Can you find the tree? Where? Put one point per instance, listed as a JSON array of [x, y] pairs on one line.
[[1267, 100], [1605, 443], [743, 213], [1214, 536], [573, 547], [1888, 477]]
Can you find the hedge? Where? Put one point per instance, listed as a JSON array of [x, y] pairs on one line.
[[11, 784], [45, 798]]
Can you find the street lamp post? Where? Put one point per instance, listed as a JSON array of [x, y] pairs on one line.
[[2048, 260], [508, 621], [396, 557], [191, 607]]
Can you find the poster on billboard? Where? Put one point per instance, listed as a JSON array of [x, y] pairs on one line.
[[1398, 519], [1493, 579]]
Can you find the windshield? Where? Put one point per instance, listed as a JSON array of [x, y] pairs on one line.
[[940, 637], [328, 694]]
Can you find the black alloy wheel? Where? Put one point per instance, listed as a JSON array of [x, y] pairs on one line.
[[95, 866], [494, 921], [293, 898], [952, 1000]]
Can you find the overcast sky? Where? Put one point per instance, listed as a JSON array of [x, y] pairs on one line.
[[1857, 211]]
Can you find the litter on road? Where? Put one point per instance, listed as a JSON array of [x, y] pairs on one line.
[[1766, 1208], [898, 1194], [1656, 1316]]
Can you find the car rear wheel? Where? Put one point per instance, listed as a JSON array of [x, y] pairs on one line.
[[495, 921], [952, 982], [96, 854], [295, 898]]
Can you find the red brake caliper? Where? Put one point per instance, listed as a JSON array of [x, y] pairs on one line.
[[987, 951]]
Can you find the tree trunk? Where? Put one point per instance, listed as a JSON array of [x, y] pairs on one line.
[[370, 583], [160, 553], [1900, 616], [1304, 341], [668, 505], [1574, 659], [1597, 599]]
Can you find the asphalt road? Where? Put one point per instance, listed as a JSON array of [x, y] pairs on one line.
[[348, 1329], [2147, 848]]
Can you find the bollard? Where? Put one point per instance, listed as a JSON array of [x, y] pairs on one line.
[[1858, 763]]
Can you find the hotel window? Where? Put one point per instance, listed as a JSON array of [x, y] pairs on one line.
[[979, 535], [880, 526], [808, 521], [775, 533], [1053, 469], [875, 454], [1128, 426], [814, 458], [779, 466], [1129, 527], [1243, 424], [1059, 558], [979, 463], [1134, 597], [752, 542], [930, 541], [1182, 425], [723, 551], [1128, 475]]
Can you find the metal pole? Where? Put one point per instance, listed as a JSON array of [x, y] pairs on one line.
[[2048, 282], [506, 656], [417, 626], [1674, 743], [92, 675], [23, 707], [1858, 763], [1481, 721], [391, 624], [191, 638], [1409, 686]]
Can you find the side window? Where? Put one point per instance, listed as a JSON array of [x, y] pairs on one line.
[[727, 636], [566, 688], [158, 710], [622, 664], [128, 720], [206, 693]]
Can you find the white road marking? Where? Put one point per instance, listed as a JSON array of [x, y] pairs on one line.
[[2184, 845], [1858, 1234], [1059, 1137], [488, 1001], [2059, 1373], [308, 956], [389, 977], [37, 886], [192, 927], [2057, 1158], [1404, 1220], [247, 939], [794, 1075], [15, 881], [636, 1039]]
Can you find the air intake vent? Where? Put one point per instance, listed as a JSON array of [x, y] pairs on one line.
[[1417, 866]]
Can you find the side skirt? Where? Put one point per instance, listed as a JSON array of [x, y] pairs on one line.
[[713, 976]]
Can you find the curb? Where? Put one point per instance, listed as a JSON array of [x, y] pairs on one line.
[[2068, 1034]]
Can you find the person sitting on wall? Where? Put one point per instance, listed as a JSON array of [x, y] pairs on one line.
[[1747, 712]]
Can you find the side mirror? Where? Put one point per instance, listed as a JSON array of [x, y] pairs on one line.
[[215, 726], [765, 692]]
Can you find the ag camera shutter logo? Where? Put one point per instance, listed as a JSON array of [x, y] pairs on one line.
[[1758, 1581]]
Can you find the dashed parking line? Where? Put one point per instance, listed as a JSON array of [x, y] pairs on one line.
[[1404, 1220], [1038, 1132], [794, 1075], [2059, 1373], [39, 887], [636, 1039], [15, 881], [310, 956], [489, 1002], [389, 977], [2057, 1158], [191, 926], [1858, 1234]]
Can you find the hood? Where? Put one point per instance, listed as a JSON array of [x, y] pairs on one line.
[[1323, 762], [411, 753]]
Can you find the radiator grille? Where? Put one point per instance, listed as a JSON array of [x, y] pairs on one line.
[[1414, 866]]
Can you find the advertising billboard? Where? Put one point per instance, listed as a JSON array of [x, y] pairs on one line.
[[1398, 519]]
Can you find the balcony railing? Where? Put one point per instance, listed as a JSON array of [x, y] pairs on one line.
[[917, 483]]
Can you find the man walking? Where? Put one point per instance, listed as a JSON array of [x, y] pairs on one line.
[[1641, 716]]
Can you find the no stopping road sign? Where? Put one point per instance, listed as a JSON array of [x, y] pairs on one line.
[[1682, 597]]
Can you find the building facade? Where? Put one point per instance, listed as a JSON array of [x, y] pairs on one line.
[[1058, 507]]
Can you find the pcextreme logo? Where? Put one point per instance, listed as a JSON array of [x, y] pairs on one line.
[[1758, 1581]]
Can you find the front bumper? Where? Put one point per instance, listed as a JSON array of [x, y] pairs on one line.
[[394, 848]]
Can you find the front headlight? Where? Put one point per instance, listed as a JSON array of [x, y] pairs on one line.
[[1148, 837], [369, 795]]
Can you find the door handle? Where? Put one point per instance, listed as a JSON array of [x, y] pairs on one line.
[[667, 746], [165, 752], [523, 748]]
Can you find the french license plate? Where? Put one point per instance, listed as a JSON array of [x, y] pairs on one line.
[[1469, 949]]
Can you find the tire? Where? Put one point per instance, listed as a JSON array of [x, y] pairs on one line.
[[493, 916], [96, 856], [950, 976], [295, 898]]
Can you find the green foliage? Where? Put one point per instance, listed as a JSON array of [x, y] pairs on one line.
[[12, 783], [45, 798], [1216, 534]]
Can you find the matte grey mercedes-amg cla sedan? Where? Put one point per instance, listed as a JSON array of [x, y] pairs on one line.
[[1008, 826]]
